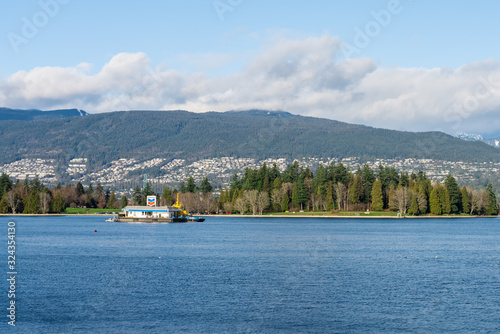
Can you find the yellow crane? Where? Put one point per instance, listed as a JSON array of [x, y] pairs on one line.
[[178, 205]]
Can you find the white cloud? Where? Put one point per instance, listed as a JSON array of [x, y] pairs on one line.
[[304, 76]]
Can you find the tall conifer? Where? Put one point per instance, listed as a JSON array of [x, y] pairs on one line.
[[376, 195]]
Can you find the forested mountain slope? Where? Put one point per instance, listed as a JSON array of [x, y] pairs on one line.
[[259, 134]]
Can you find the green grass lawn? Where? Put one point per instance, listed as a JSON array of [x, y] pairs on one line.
[[353, 213], [74, 211], [341, 213]]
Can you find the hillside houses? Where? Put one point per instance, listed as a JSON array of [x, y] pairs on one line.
[[31, 168], [129, 172]]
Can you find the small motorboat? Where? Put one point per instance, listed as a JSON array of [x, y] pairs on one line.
[[195, 219]]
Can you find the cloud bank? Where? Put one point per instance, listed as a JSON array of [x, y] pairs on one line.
[[307, 77]]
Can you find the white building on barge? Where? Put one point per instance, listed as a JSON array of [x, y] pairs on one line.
[[151, 214]]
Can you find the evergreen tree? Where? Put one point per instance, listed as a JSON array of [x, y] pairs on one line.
[[404, 180], [435, 202], [36, 185], [424, 187], [147, 191], [377, 197], [356, 192], [277, 183], [233, 199], [98, 193], [301, 193], [291, 173], [306, 173], [388, 176], [4, 205], [329, 197], [368, 178], [5, 184], [274, 173], [205, 186], [107, 195], [111, 201], [465, 200], [319, 199], [182, 188], [124, 201], [284, 203], [266, 184], [58, 204], [191, 186], [33, 203], [413, 209], [235, 182], [445, 200], [90, 189], [421, 176], [295, 198], [340, 174], [262, 174], [250, 179], [89, 199], [320, 179], [491, 207], [222, 197], [138, 197], [454, 194], [79, 189], [423, 203]]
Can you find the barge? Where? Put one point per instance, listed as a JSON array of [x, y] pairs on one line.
[[156, 214], [151, 214]]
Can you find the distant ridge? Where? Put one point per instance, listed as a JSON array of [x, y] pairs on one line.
[[259, 112], [493, 141], [7, 114], [106, 137]]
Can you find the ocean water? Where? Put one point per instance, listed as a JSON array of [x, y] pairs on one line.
[[238, 275]]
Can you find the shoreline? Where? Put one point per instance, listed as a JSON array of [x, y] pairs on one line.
[[55, 214], [256, 216], [353, 217]]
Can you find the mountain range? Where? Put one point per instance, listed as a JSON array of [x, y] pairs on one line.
[[7, 114], [260, 134], [493, 141]]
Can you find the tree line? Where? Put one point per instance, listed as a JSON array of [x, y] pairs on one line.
[[32, 197], [337, 188], [330, 188]]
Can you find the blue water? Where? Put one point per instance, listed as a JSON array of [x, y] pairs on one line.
[[232, 275]]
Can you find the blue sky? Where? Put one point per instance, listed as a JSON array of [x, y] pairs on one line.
[[408, 65]]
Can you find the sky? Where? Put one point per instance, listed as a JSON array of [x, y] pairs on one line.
[[412, 65]]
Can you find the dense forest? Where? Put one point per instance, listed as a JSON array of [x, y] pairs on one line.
[[335, 188], [331, 188], [103, 138]]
